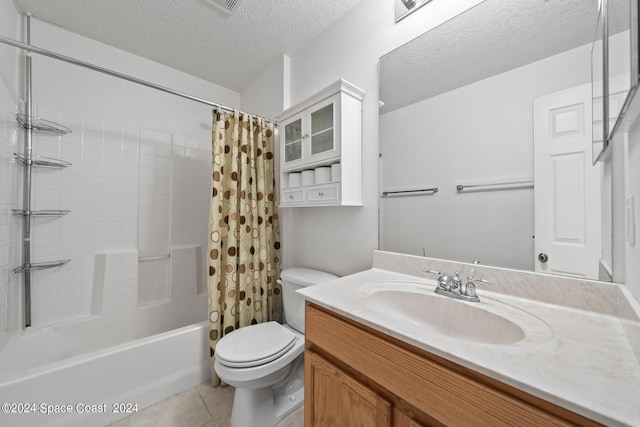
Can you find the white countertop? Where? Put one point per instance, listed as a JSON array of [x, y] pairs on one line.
[[583, 361]]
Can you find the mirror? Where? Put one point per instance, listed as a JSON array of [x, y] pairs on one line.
[[462, 106], [622, 52], [620, 76], [597, 86]]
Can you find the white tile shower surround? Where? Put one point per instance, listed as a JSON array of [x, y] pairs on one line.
[[129, 188], [201, 406], [591, 364]]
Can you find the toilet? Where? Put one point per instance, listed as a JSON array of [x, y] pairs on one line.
[[264, 362]]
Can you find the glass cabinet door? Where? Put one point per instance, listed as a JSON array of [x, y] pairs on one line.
[[322, 135], [293, 141]]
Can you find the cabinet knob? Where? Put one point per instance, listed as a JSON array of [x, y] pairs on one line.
[[321, 194], [291, 196], [542, 257]]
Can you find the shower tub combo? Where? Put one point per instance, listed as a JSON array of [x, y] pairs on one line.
[[137, 332], [70, 375]]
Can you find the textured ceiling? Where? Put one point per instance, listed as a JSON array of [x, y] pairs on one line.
[[192, 35], [489, 39]]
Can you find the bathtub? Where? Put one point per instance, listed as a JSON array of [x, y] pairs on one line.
[[48, 378]]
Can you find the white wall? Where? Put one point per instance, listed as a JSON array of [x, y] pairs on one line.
[[10, 173], [340, 239], [481, 132], [139, 184], [632, 188], [614, 169], [268, 94]]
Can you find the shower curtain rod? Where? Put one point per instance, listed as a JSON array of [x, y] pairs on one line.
[[54, 55]]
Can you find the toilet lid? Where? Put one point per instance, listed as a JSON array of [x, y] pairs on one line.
[[254, 345]]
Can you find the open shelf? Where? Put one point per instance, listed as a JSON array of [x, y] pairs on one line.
[[43, 161], [40, 266], [41, 125]]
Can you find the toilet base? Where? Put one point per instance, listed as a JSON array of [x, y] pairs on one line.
[[262, 413], [287, 407], [265, 407]]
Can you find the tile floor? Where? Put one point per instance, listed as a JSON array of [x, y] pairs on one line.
[[201, 406]]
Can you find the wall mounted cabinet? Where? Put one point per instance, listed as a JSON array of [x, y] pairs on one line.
[[321, 133]]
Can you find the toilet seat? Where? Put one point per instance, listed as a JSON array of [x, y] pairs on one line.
[[254, 345]]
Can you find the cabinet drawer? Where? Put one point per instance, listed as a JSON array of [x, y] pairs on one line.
[[324, 194], [292, 196]]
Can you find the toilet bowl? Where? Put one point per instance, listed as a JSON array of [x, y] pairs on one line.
[[265, 362]]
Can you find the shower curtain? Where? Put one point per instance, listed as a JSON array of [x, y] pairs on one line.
[[244, 241]]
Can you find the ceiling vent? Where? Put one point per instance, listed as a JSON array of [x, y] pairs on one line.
[[227, 6]]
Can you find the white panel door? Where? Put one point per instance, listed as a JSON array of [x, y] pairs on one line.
[[567, 186]]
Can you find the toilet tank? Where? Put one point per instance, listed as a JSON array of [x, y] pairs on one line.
[[293, 279]]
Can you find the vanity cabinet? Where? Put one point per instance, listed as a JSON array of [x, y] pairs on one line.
[[323, 131], [340, 399], [355, 373]]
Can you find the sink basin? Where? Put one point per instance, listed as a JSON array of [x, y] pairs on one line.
[[416, 306]]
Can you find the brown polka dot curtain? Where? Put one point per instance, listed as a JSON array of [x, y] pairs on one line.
[[244, 241]]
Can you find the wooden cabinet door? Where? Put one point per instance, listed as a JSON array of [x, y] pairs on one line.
[[402, 420], [335, 399]]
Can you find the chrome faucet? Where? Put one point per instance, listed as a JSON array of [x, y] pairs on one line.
[[451, 286]]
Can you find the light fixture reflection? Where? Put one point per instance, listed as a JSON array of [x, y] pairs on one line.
[[405, 7], [409, 4]]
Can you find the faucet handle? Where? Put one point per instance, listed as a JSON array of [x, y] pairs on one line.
[[470, 290], [476, 281], [439, 273]]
